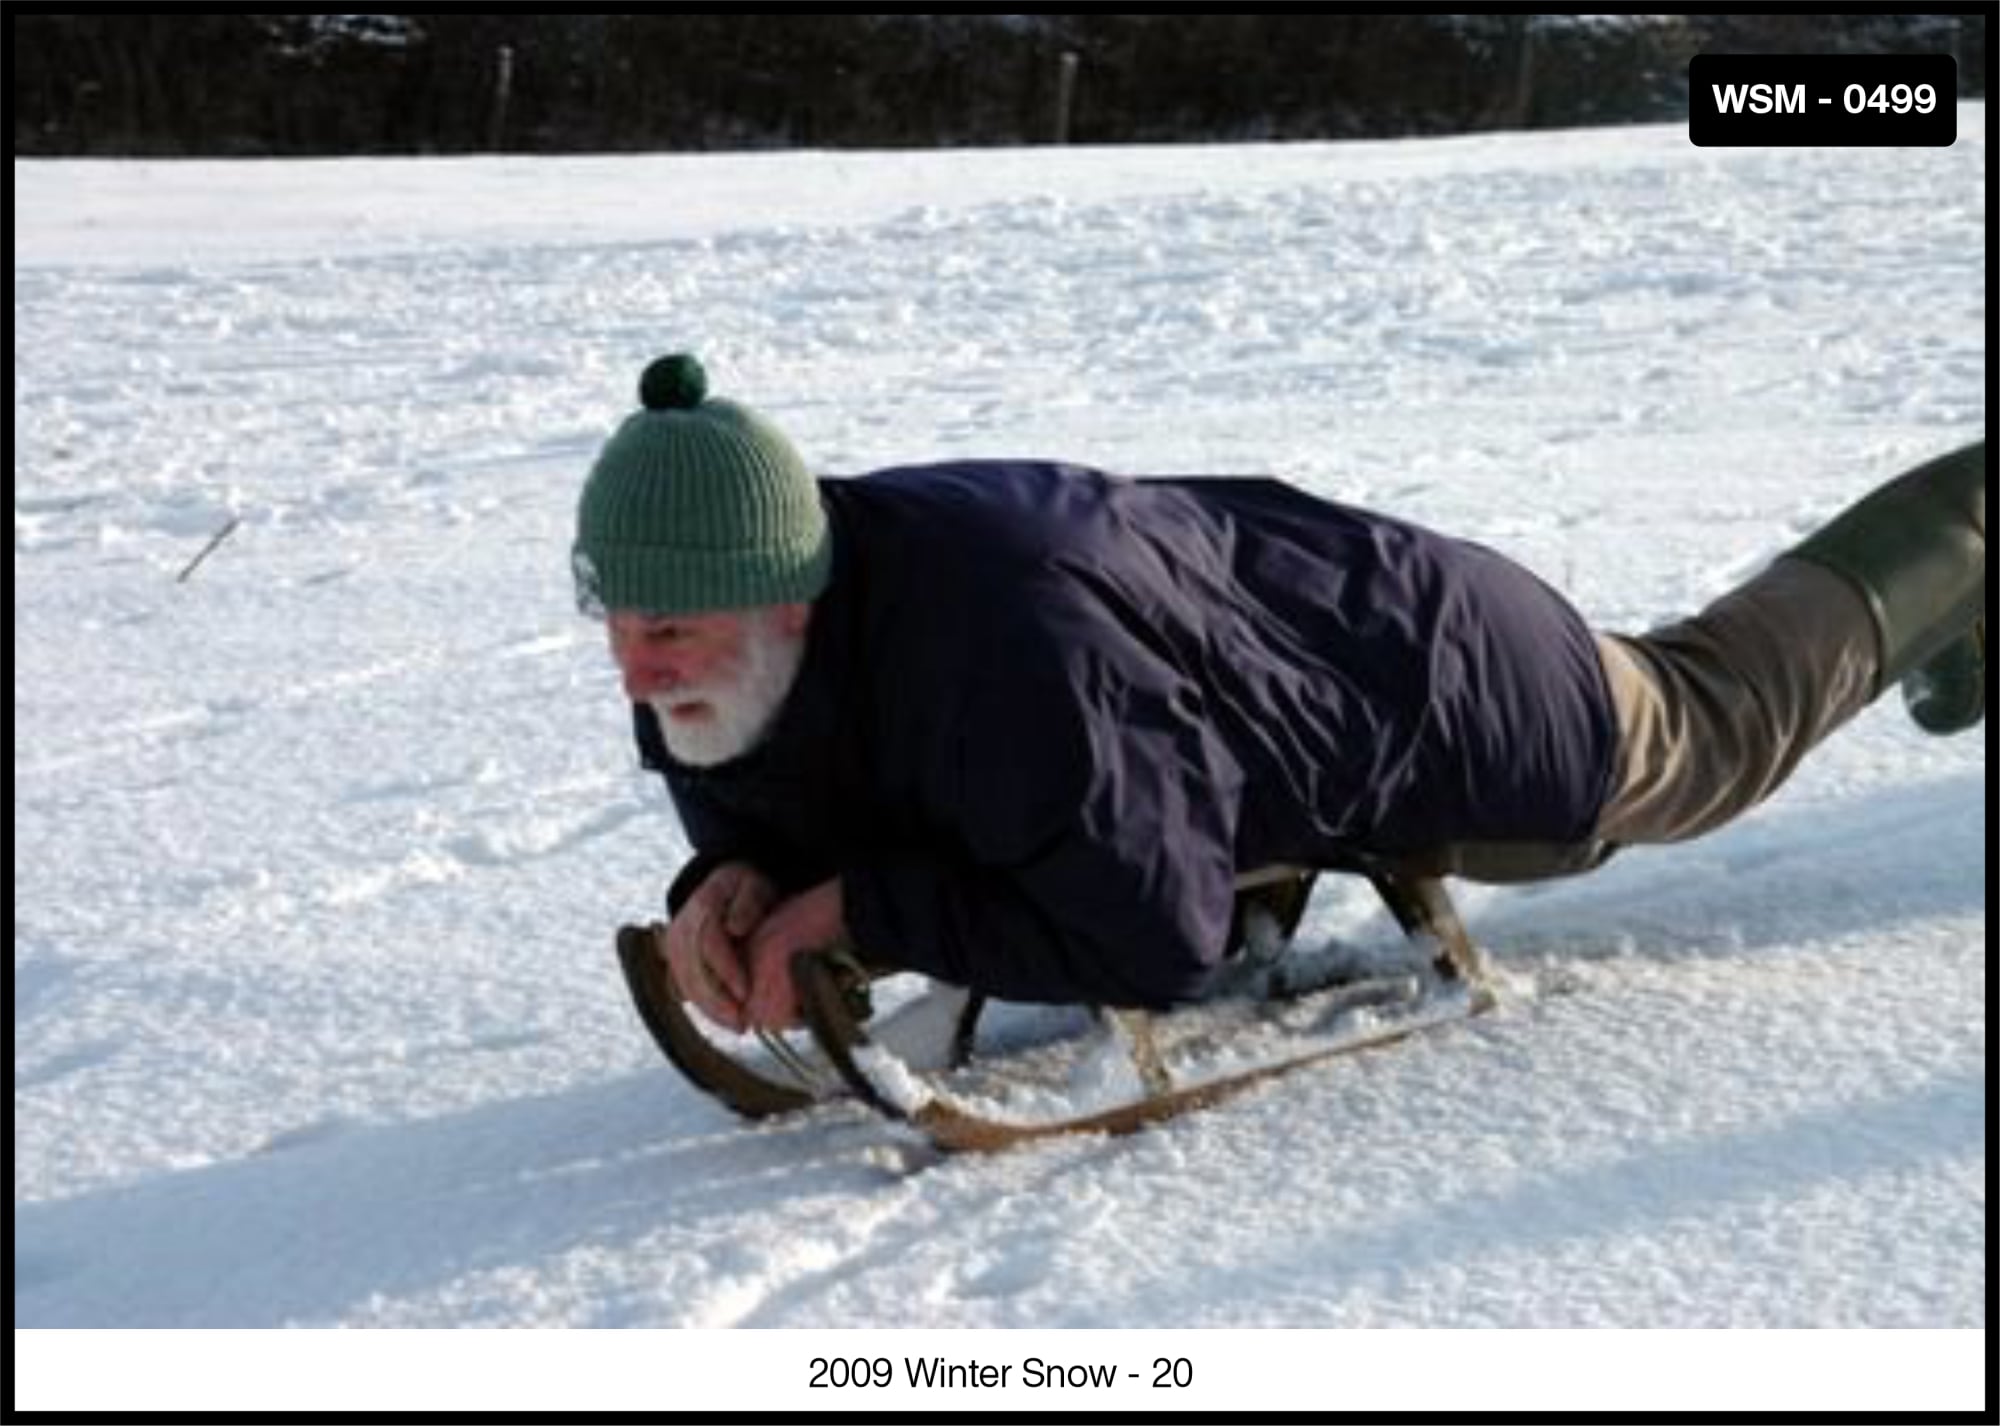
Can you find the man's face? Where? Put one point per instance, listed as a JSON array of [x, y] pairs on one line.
[[714, 681]]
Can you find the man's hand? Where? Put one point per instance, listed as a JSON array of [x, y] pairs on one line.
[[708, 941], [810, 921]]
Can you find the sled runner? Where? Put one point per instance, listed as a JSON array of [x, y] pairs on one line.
[[919, 1064]]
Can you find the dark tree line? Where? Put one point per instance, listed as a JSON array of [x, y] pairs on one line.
[[244, 84]]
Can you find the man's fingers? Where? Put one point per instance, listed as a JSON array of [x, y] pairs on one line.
[[716, 1003], [745, 901], [774, 1001], [693, 982], [709, 943], [741, 916], [719, 954], [706, 967]]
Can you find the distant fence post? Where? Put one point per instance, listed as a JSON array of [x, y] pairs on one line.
[[1066, 68], [1524, 74], [503, 88]]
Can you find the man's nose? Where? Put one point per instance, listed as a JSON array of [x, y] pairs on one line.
[[643, 681], [644, 672], [646, 676]]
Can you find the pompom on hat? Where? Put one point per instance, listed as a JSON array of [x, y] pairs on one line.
[[696, 505]]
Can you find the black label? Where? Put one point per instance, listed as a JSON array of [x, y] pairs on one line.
[[1835, 100]]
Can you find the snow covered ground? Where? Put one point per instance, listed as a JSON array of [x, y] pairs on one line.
[[318, 853]]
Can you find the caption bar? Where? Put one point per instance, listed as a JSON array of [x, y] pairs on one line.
[[1825, 100], [943, 1373]]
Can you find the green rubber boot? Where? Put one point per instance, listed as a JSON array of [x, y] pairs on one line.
[[1916, 550], [1948, 694]]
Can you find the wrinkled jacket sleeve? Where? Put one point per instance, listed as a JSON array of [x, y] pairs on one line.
[[715, 836], [1086, 814]]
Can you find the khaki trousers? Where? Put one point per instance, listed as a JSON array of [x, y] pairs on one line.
[[1714, 713]]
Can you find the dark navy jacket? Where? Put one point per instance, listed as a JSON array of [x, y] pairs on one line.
[[1046, 715]]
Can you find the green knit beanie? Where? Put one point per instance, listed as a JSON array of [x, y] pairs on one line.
[[697, 505]]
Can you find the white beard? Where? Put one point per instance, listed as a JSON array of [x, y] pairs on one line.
[[740, 709]]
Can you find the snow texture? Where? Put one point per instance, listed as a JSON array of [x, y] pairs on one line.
[[318, 853]]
